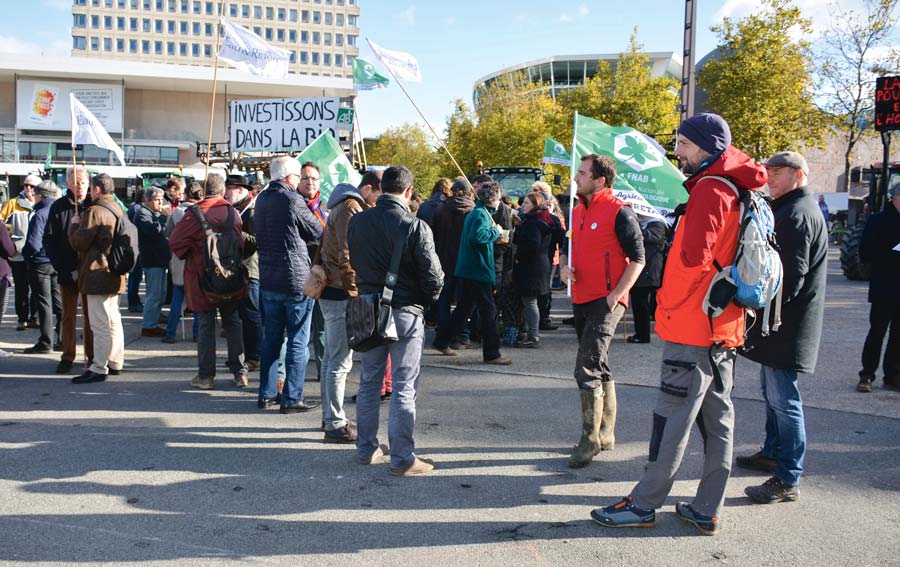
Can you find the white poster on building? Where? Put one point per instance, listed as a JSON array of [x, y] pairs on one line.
[[281, 124], [44, 105]]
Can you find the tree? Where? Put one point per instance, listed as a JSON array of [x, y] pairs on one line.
[[849, 65], [407, 145], [625, 94], [762, 81], [459, 139]]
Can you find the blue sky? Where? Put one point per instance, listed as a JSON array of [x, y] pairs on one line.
[[457, 42]]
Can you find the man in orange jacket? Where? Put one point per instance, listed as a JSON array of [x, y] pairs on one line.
[[698, 358]]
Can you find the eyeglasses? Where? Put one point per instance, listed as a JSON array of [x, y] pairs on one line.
[[310, 179]]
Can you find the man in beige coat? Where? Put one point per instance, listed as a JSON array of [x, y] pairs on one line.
[[91, 237]]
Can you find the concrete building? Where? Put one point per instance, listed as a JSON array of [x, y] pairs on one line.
[[560, 72], [321, 35]]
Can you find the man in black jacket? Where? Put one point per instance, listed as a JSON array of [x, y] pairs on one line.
[[371, 237], [65, 262], [792, 350], [155, 255], [881, 248]]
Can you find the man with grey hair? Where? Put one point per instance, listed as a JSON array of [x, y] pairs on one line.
[[155, 255], [187, 242], [43, 277], [477, 276], [65, 262], [284, 227]]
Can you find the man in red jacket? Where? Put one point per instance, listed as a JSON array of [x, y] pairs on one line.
[[698, 357], [607, 258]]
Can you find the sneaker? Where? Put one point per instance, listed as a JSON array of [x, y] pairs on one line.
[[202, 382], [88, 377], [865, 384], [5, 353], [240, 380], [376, 457], [170, 340], [624, 514], [21, 325], [708, 525], [345, 434], [500, 361], [39, 348], [771, 491], [529, 343], [419, 466], [757, 462]]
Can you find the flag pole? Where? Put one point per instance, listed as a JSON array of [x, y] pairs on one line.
[[74, 179], [212, 104], [362, 140], [572, 168], [427, 123]]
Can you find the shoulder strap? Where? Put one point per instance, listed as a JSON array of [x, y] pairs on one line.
[[390, 279]]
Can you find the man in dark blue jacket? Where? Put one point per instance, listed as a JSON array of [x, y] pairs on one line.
[[792, 349], [284, 226], [881, 248], [43, 276], [155, 255]]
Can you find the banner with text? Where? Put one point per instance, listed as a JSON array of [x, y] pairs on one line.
[[281, 124], [44, 105]]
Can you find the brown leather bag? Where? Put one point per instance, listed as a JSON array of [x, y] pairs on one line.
[[317, 279]]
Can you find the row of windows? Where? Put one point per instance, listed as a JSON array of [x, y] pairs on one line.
[[196, 6], [106, 22], [207, 29], [184, 49], [62, 153]]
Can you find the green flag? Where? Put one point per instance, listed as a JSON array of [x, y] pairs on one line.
[[554, 152], [334, 166], [49, 156], [644, 177], [366, 78]]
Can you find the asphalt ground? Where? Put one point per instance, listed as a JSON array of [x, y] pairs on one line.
[[143, 470]]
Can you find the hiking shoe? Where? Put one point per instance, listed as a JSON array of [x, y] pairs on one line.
[[419, 466], [445, 350], [771, 491], [624, 514], [240, 380], [377, 455], [865, 384], [708, 525], [500, 360], [202, 382], [344, 434], [757, 462]]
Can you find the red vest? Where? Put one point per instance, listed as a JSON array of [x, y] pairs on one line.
[[597, 255]]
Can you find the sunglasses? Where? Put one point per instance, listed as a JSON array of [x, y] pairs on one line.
[[29, 185]]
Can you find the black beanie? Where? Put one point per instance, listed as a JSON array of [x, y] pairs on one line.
[[709, 131]]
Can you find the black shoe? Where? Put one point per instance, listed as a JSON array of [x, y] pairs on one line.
[[21, 326], [116, 371], [263, 403], [88, 377], [569, 321], [64, 367], [57, 347], [299, 407], [345, 434], [547, 325], [39, 348], [757, 462], [635, 340]]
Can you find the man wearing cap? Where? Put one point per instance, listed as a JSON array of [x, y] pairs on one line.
[[803, 247], [237, 192], [880, 245], [698, 356]]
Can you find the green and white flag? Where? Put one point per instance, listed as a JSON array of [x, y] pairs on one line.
[[366, 78], [334, 166], [644, 177], [554, 152]]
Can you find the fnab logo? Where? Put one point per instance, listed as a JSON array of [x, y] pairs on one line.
[[636, 152], [369, 71]]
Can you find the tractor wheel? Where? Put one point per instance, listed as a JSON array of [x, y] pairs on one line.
[[852, 265]]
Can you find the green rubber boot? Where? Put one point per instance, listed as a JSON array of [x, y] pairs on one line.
[[608, 423], [589, 444]]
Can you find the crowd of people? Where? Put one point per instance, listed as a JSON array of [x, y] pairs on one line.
[[241, 260]]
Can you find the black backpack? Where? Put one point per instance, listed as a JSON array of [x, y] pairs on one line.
[[123, 252], [223, 278]]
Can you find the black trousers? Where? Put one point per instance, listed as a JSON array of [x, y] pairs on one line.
[[641, 305], [883, 315], [24, 304], [46, 288], [474, 294]]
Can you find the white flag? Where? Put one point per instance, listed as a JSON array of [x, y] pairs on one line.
[[249, 52], [403, 65], [86, 129]]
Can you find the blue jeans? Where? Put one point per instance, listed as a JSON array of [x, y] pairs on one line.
[[250, 319], [785, 429], [175, 313], [291, 315], [134, 284], [154, 294]]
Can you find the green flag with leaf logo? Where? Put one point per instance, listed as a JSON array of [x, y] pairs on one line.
[[49, 156], [366, 78], [334, 166], [644, 177], [554, 152]]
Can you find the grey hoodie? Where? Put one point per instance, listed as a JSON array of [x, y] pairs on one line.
[[18, 222]]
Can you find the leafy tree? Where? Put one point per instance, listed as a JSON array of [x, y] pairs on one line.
[[854, 53], [459, 140], [407, 145], [762, 81]]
